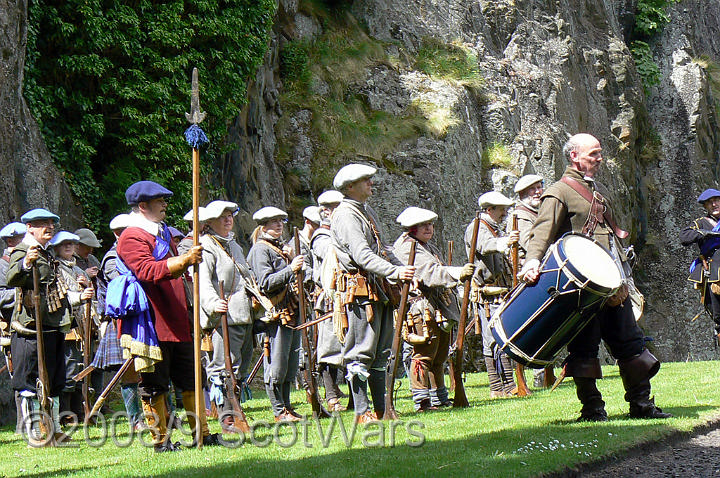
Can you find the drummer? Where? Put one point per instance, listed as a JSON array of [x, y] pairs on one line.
[[491, 280], [564, 208]]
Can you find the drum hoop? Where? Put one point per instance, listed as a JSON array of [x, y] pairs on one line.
[[582, 285]]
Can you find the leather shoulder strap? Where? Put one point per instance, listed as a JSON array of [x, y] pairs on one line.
[[586, 194]]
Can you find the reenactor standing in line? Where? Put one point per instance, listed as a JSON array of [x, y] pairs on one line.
[[32, 253], [275, 268], [364, 267], [148, 251], [223, 262], [492, 279], [79, 290], [329, 349], [12, 234], [433, 311]]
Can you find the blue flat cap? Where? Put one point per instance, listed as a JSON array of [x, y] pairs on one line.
[[707, 194], [175, 232], [38, 215], [13, 229], [63, 236], [143, 191]]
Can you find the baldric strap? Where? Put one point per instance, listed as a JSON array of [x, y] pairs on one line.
[[598, 210]]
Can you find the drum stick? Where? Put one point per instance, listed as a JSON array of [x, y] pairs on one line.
[[451, 246]]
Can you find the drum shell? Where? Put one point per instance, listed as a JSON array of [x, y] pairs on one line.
[[538, 320]]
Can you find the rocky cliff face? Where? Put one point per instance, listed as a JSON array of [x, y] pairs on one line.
[[683, 111], [29, 178], [550, 68]]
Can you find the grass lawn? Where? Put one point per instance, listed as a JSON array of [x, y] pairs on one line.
[[506, 437]]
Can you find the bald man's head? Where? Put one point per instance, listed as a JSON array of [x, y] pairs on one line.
[[584, 153]]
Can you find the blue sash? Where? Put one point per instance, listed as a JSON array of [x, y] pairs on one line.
[[126, 300]]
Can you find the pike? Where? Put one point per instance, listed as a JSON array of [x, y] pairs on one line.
[[461, 400], [310, 386], [392, 364], [522, 388], [195, 117], [231, 386], [41, 385]]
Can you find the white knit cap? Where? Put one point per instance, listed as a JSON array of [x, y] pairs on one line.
[[413, 216], [351, 173]]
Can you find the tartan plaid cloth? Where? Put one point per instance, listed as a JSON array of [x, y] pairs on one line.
[[109, 355]]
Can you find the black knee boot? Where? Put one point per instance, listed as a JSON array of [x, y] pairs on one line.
[[636, 373], [593, 406]]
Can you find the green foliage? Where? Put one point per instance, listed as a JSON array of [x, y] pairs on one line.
[[294, 62], [109, 83], [497, 155], [452, 62], [651, 17], [648, 70]]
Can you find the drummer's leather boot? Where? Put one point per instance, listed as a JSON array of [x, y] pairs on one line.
[[593, 406], [636, 373]]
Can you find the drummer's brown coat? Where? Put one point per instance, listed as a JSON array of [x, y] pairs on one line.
[[563, 210]]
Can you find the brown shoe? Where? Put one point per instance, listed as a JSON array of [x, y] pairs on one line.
[[286, 416], [366, 417], [60, 437], [334, 405]]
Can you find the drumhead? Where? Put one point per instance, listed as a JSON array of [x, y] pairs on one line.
[[592, 261]]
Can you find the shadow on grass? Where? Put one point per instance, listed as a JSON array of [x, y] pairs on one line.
[[519, 452]]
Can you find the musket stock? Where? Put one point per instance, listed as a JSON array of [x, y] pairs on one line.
[[390, 413], [310, 386], [239, 418], [461, 400]]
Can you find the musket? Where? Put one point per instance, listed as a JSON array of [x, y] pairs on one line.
[[254, 370], [42, 389], [310, 385], [393, 360], [451, 247], [460, 397], [231, 386], [522, 389], [86, 338], [195, 117], [103, 396], [322, 318]]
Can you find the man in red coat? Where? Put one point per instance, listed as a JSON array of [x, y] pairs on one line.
[[147, 249]]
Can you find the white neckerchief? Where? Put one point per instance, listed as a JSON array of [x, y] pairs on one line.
[[138, 220]]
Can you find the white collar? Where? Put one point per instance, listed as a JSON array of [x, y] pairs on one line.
[[138, 220]]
